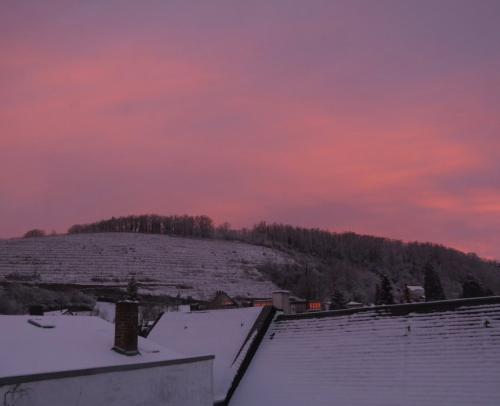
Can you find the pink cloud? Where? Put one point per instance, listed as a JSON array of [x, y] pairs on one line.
[[244, 124]]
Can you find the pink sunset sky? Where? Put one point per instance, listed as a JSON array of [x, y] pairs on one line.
[[379, 117]]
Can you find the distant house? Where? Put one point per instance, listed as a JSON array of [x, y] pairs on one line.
[[414, 294], [222, 300], [51, 360], [314, 306], [353, 305], [297, 305], [435, 354], [262, 302], [228, 334]]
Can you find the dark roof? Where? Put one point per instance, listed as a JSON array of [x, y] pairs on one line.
[[435, 353], [221, 300]]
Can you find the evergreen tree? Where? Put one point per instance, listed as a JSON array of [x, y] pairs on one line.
[[432, 284], [34, 233], [338, 300], [406, 294], [377, 295], [472, 288], [132, 289], [383, 293]]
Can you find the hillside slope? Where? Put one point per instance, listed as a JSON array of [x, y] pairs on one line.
[[162, 264]]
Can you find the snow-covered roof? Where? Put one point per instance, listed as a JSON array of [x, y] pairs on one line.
[[441, 353], [73, 343], [69, 312], [222, 333], [105, 310]]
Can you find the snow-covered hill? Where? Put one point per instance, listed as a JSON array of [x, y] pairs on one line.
[[162, 264]]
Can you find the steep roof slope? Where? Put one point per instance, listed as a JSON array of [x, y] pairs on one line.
[[441, 353], [224, 333], [162, 264]]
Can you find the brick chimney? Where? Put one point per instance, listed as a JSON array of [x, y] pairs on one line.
[[281, 300], [126, 327]]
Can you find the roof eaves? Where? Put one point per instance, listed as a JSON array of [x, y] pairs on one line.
[[11, 380]]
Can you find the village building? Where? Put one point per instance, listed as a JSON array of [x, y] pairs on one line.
[[353, 305], [222, 300], [314, 306], [53, 360], [262, 302], [297, 305], [414, 294], [435, 353]]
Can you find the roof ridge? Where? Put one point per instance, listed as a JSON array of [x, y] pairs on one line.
[[398, 309]]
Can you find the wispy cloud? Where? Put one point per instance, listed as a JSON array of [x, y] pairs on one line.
[[343, 115]]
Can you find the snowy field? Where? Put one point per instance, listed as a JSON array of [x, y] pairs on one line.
[[162, 264]]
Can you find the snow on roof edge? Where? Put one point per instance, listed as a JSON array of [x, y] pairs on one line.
[[43, 376], [402, 308]]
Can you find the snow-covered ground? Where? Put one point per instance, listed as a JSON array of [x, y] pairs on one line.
[[162, 264]]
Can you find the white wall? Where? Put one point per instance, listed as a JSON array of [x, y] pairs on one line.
[[172, 385]]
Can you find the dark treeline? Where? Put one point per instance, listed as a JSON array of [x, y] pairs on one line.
[[17, 299], [352, 264], [185, 226], [326, 262]]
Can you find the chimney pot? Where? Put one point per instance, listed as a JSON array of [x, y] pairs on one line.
[[126, 327]]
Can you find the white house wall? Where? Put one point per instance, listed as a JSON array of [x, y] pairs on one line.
[[187, 384]]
